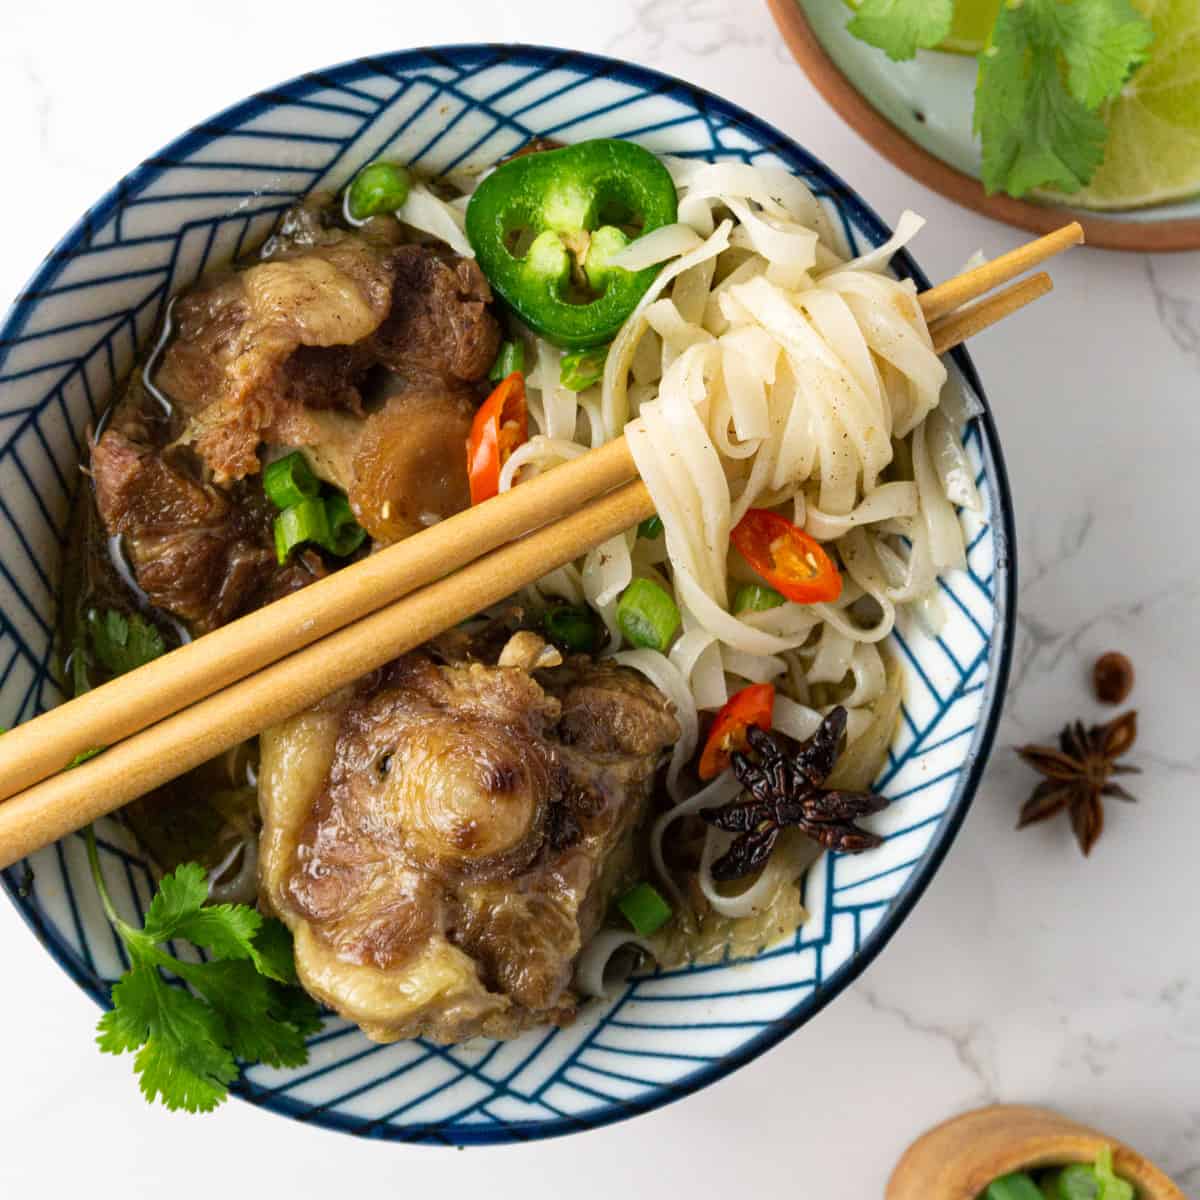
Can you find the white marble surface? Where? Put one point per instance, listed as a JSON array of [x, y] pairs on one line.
[[1026, 973]]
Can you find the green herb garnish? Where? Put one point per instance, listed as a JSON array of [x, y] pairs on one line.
[[1041, 82], [647, 615], [901, 27], [122, 643], [645, 909], [244, 1004], [1044, 76]]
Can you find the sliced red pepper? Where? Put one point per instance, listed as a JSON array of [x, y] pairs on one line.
[[500, 426], [793, 563], [753, 705]]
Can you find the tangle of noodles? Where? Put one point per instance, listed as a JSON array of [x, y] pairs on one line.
[[764, 368]]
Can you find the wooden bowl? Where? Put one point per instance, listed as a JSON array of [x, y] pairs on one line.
[[959, 1158], [860, 114]]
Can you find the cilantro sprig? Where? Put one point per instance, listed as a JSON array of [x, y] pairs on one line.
[[902, 27], [1048, 70], [188, 1034], [122, 643]]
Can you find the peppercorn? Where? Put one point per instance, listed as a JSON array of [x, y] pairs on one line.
[[1112, 677]]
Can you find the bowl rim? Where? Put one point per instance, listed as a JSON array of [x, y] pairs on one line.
[[1004, 581], [1177, 233]]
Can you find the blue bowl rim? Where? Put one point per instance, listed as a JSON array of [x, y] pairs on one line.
[[772, 140]]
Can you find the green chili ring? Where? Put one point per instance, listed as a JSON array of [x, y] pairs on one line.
[[544, 228]]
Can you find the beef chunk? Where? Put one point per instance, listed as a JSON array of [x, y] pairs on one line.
[[410, 464], [442, 851], [282, 334], [440, 322], [193, 552]]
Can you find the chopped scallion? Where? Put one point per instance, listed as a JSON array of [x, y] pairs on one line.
[[303, 522], [651, 527], [647, 615], [1076, 1182], [510, 358], [644, 909], [345, 533], [572, 627], [755, 597], [289, 480], [582, 369], [1018, 1186]]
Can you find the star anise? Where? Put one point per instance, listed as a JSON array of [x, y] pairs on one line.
[[785, 790], [1079, 773]]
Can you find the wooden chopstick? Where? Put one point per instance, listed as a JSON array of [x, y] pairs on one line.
[[967, 322], [69, 800], [330, 619], [116, 710], [939, 301]]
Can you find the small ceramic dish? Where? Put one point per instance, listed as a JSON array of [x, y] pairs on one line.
[[74, 332], [918, 115], [959, 1158]]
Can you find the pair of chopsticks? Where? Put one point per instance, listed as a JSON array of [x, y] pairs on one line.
[[161, 720]]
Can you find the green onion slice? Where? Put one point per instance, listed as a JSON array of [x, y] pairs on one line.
[[647, 615], [289, 480], [1112, 1186], [510, 358], [582, 369], [1018, 1186], [651, 527], [303, 522], [644, 909], [572, 627], [345, 533], [756, 597]]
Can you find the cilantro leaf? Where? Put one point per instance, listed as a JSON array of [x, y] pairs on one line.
[[241, 1005], [1034, 133], [900, 27], [179, 895], [1036, 129], [251, 1008], [1102, 42], [122, 643], [273, 952], [180, 1041]]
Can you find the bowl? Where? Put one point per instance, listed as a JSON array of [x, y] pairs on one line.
[[959, 1158], [74, 331], [918, 114]]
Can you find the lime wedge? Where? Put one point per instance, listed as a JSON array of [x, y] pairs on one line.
[[973, 22], [1153, 153]]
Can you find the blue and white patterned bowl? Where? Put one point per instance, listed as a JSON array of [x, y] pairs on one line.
[[74, 332]]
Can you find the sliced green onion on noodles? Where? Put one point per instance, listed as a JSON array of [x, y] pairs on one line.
[[647, 615], [644, 909]]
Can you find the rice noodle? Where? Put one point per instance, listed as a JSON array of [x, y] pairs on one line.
[[430, 214], [761, 369], [591, 970], [786, 863], [668, 241]]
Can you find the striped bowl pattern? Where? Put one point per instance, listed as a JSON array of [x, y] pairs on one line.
[[74, 332]]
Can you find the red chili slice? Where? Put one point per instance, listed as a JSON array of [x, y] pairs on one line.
[[500, 426], [793, 563], [753, 705]]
